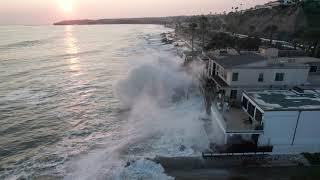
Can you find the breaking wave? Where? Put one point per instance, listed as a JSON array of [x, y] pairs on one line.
[[163, 120]]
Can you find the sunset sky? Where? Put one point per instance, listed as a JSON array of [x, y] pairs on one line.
[[49, 11]]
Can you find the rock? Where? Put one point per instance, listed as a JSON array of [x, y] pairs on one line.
[[182, 148]]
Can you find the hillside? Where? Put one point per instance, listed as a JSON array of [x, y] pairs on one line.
[[291, 22]]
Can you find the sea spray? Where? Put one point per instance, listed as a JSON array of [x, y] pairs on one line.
[[142, 169], [164, 99], [165, 107]]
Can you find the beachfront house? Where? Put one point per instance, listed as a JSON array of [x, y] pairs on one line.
[[233, 74], [286, 121], [280, 3], [289, 118]]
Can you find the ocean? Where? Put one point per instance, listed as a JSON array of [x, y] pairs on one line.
[[94, 102]]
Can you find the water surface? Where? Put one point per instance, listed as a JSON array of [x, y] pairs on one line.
[[62, 91]]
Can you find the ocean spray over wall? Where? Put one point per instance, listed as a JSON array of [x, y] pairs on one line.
[[163, 119]]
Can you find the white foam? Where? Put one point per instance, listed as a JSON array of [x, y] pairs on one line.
[[142, 169]]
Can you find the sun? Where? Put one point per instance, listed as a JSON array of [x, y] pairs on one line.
[[66, 5]]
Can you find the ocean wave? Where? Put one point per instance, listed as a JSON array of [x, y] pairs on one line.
[[72, 55], [28, 43]]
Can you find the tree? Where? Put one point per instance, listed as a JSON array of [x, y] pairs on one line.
[[176, 29], [271, 29], [252, 29], [249, 43], [192, 27], [204, 23], [221, 40], [313, 36], [223, 27]]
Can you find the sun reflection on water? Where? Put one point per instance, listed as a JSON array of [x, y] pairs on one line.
[[72, 50]]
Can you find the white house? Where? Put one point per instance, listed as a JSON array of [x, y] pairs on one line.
[[233, 74], [286, 121], [289, 119]]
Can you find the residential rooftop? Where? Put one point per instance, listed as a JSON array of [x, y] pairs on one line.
[[231, 61], [256, 60], [299, 59], [286, 100]]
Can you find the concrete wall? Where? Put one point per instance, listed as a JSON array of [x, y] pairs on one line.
[[295, 149], [308, 131], [288, 135], [249, 77], [269, 52], [279, 127]]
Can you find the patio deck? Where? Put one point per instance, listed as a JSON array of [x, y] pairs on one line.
[[235, 121]]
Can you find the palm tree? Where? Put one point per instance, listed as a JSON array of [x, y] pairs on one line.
[[192, 27], [178, 26], [271, 29], [204, 22]]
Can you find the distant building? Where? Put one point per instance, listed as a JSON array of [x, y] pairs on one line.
[[261, 7], [272, 4]]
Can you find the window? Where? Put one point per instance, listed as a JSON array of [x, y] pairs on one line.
[[258, 115], [251, 109], [279, 77], [260, 79], [245, 103], [235, 76], [313, 68], [233, 94]]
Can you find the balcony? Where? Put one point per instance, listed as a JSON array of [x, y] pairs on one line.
[[219, 81]]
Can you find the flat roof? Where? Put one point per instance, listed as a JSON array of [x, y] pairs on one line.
[[255, 60], [286, 100], [300, 59], [239, 60]]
